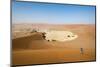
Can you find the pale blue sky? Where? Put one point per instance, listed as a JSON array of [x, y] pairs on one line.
[[31, 12]]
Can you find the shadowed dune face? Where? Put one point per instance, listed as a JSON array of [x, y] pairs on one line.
[[34, 41], [34, 47]]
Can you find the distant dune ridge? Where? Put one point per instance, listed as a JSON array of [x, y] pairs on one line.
[[30, 45]]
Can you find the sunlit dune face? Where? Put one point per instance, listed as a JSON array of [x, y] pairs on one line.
[[60, 36], [70, 36]]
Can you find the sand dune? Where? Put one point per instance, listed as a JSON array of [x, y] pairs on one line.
[[33, 49]]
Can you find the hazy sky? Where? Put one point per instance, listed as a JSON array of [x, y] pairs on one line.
[[30, 12]]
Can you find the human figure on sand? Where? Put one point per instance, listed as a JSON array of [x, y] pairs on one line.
[[82, 51]]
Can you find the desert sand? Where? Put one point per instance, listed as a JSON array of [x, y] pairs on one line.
[[31, 48]]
